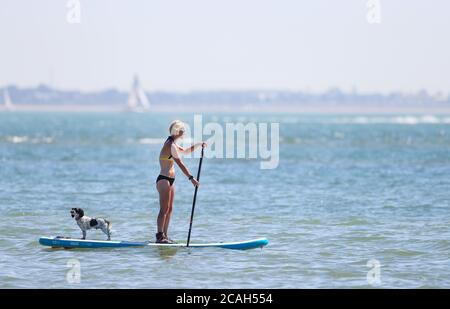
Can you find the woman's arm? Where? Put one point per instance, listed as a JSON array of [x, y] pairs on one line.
[[190, 149], [186, 171], [183, 167]]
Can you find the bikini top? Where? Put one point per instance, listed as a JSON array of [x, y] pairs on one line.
[[166, 158], [169, 157]]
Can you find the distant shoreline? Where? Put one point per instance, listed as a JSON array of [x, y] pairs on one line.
[[300, 109]]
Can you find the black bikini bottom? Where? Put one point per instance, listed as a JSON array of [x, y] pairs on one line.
[[170, 179]]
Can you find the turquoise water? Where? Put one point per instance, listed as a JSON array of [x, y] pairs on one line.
[[348, 189]]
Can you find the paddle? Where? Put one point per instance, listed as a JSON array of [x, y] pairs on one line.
[[195, 198]]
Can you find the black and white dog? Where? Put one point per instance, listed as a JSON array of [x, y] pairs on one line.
[[85, 223]]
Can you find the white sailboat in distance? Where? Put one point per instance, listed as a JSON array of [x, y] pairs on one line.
[[7, 100], [137, 100]]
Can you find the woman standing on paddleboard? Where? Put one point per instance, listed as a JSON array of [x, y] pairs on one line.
[[165, 181]]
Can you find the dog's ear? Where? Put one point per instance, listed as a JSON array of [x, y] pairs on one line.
[[80, 212]]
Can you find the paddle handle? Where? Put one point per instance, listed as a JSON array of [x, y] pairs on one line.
[[195, 198]]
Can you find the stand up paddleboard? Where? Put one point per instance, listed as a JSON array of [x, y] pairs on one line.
[[64, 242], [59, 242]]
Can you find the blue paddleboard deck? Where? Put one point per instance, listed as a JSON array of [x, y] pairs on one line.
[[62, 242]]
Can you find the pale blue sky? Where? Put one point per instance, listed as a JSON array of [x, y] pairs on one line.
[[227, 44]]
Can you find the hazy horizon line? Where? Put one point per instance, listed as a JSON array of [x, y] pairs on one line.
[[342, 90]]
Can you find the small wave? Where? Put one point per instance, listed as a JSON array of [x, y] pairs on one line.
[[342, 274], [25, 139], [416, 120], [308, 222], [403, 252], [443, 244], [406, 120], [366, 238], [354, 222], [17, 139]]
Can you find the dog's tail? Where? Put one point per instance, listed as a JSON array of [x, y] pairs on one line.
[[109, 223], [108, 229]]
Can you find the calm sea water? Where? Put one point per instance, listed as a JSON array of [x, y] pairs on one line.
[[348, 189]]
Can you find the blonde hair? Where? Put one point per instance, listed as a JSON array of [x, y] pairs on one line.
[[176, 127]]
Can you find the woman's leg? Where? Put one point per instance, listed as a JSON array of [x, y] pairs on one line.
[[169, 210], [163, 187]]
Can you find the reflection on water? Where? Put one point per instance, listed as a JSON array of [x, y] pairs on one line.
[[166, 253]]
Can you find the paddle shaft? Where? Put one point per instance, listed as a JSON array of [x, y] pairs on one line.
[[195, 198]]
